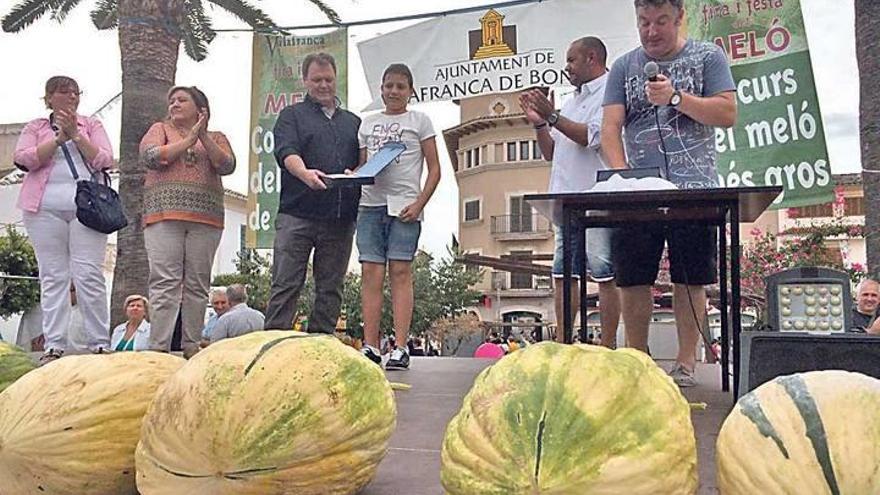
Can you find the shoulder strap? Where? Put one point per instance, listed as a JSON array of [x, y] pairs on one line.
[[69, 162]]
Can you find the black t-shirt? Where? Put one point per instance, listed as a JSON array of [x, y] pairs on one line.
[[860, 321]]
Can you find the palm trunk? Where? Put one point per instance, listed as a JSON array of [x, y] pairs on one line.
[[149, 64], [867, 46]]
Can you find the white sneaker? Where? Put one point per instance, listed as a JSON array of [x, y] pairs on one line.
[[682, 376], [399, 360], [372, 354]]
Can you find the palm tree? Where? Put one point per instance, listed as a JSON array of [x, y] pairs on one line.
[[867, 46], [150, 33]]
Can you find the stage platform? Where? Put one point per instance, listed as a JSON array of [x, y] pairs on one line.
[[412, 465]]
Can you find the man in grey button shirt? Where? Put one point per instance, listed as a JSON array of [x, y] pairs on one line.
[[239, 319]]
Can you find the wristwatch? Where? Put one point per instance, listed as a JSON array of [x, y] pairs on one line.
[[675, 99], [553, 118]]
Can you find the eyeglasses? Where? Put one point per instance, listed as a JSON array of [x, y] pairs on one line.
[[68, 92]]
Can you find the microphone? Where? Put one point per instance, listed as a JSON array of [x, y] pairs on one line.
[[652, 70]]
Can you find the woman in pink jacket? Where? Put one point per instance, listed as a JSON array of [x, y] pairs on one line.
[[66, 250]]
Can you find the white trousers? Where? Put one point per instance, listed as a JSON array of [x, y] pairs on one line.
[[67, 250]]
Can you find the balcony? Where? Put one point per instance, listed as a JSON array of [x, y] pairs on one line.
[[521, 227]]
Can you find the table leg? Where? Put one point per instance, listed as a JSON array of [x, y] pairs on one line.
[[725, 321], [567, 322], [581, 231], [736, 316]]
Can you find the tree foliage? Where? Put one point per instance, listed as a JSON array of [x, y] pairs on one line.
[[802, 246], [441, 289], [187, 20], [17, 259]]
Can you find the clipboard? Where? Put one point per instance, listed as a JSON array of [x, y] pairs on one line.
[[367, 173]]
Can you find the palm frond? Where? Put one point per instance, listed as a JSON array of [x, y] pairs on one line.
[[64, 8], [196, 11], [106, 14], [328, 11], [193, 42], [196, 32], [247, 13], [25, 13]]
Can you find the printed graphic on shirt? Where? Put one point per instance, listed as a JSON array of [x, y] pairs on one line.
[[382, 133], [688, 145]]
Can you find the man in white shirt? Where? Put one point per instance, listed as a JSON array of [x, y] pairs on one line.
[[570, 139]]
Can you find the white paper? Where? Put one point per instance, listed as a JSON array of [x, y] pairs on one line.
[[618, 183], [396, 204]]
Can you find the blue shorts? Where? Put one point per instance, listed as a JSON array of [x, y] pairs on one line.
[[600, 267], [381, 237]]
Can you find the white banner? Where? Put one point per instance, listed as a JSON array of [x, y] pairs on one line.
[[491, 51]]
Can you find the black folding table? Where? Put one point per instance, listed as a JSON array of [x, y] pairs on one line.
[[720, 207]]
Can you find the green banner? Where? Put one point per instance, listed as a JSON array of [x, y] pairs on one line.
[[276, 82], [778, 138]]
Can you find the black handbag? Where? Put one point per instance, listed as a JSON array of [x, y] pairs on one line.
[[97, 205]]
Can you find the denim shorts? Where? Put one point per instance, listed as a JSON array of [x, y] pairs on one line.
[[600, 268], [381, 237]]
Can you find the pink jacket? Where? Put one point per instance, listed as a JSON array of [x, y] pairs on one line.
[[39, 131]]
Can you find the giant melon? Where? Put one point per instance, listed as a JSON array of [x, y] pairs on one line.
[[14, 363], [815, 433], [563, 419], [71, 427], [271, 412]]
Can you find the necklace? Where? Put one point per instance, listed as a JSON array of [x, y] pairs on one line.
[[189, 156]]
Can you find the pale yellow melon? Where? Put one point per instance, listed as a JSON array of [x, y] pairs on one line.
[[71, 427], [266, 413]]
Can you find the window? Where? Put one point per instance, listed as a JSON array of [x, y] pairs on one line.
[[474, 157], [520, 280], [467, 159], [536, 151], [511, 152], [471, 210], [524, 150], [520, 215]]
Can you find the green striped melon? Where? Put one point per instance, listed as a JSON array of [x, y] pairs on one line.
[[71, 427], [815, 433], [271, 412], [563, 419], [14, 363]]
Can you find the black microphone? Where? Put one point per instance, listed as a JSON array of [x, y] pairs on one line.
[[652, 70]]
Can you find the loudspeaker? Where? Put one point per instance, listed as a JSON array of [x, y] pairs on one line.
[[766, 355]]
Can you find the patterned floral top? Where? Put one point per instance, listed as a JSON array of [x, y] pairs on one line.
[[188, 188]]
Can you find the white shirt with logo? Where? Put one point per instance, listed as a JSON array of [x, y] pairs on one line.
[[401, 181]]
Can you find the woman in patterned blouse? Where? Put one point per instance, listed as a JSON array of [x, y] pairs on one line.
[[183, 214]]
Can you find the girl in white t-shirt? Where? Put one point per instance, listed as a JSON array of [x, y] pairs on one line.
[[390, 212]]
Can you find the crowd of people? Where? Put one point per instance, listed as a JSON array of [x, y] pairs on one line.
[[618, 119]]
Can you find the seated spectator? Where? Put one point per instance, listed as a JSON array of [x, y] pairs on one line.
[[864, 312], [416, 347], [134, 334], [220, 303], [240, 319]]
